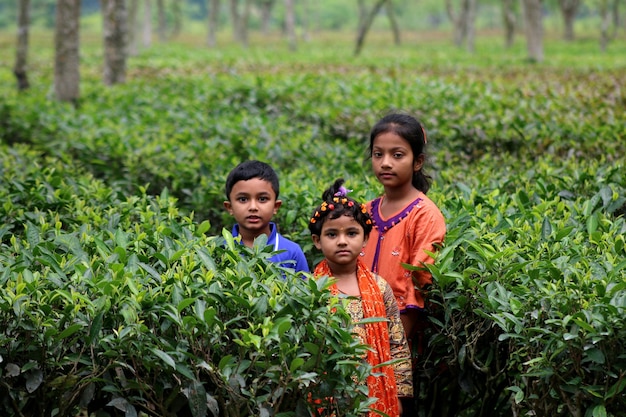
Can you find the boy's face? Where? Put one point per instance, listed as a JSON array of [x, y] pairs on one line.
[[253, 203]]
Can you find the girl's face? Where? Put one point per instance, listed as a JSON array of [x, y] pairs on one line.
[[341, 240], [393, 161]]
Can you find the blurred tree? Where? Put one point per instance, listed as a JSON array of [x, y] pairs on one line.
[[115, 32], [569, 8], [67, 60], [23, 23], [365, 21], [214, 12], [162, 23], [133, 7], [147, 23], [240, 20], [290, 24], [177, 17], [463, 22], [533, 27], [266, 14], [393, 22], [509, 21]]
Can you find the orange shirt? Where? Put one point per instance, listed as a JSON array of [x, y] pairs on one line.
[[403, 238]]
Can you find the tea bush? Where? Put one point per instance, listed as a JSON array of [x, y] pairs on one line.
[[121, 294]]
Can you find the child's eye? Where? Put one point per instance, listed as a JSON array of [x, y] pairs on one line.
[[353, 233], [398, 155], [377, 154], [331, 234], [242, 199], [263, 199]]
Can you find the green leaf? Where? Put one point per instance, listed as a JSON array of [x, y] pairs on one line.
[[165, 357], [70, 330]]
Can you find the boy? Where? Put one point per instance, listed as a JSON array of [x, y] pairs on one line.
[[252, 193]]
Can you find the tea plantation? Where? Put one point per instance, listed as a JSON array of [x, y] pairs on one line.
[[121, 293]]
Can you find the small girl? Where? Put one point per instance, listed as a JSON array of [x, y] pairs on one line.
[[407, 224], [340, 228]]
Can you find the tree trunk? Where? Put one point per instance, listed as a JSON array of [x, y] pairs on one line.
[[533, 26], [162, 28], [177, 15], [67, 45], [266, 15], [236, 18], [115, 31], [147, 23], [290, 24], [306, 19], [569, 8], [605, 21], [244, 22], [616, 18], [508, 17], [470, 24], [132, 31], [21, 56], [214, 11], [366, 24], [457, 22], [393, 22]]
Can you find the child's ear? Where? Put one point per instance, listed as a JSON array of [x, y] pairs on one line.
[[418, 163], [316, 241], [228, 206], [277, 205]]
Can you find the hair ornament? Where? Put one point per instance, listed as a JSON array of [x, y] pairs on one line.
[[331, 206], [342, 192], [363, 208], [350, 203]]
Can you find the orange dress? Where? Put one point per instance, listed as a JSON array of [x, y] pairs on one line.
[[404, 238], [385, 337]]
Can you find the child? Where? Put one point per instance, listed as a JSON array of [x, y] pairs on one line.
[[340, 228], [252, 193], [407, 224]]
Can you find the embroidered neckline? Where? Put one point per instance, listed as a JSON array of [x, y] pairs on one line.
[[384, 225]]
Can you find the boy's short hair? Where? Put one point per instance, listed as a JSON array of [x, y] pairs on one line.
[[252, 169]]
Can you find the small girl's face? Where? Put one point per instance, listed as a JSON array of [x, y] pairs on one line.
[[341, 240], [393, 161]]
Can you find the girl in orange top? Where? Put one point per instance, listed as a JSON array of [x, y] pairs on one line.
[[407, 224], [340, 228]]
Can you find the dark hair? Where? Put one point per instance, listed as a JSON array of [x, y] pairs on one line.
[[251, 169], [336, 203], [409, 129]]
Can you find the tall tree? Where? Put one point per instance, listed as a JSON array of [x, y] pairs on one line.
[[266, 14], [365, 22], [240, 20], [21, 56], [67, 45], [605, 22], [177, 17], [508, 18], [290, 24], [115, 32], [132, 31], [162, 25], [463, 22], [393, 22], [569, 8], [147, 23], [533, 28], [214, 11]]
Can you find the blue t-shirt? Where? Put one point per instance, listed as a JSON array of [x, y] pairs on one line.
[[291, 255]]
